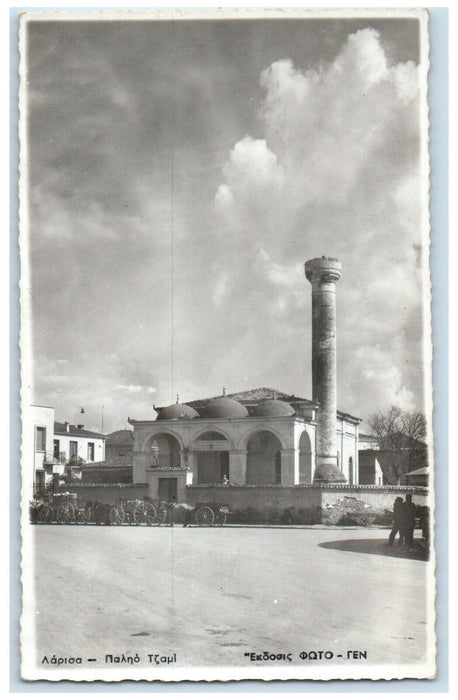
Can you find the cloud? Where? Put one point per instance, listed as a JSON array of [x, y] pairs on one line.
[[174, 197], [336, 172], [325, 127], [135, 388]]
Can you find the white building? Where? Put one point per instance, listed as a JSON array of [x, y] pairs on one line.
[[37, 446], [51, 448], [76, 445]]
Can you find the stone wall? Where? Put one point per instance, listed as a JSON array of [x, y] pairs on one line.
[[302, 505], [364, 505]]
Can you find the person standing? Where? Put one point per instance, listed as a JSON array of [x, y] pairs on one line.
[[397, 522], [408, 519]]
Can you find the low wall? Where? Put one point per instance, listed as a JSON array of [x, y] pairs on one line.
[[301, 505], [261, 504], [104, 493], [331, 505]]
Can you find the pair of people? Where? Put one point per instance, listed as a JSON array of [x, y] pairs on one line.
[[403, 521]]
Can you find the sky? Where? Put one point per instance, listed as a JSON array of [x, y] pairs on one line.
[[181, 173]]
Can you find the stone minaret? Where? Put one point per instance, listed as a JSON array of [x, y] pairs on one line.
[[323, 273]]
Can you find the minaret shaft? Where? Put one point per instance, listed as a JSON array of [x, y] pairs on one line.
[[323, 273]]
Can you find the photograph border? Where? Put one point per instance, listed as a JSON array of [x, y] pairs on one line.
[[438, 96]]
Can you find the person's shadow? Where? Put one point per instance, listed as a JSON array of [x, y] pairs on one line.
[[380, 547]]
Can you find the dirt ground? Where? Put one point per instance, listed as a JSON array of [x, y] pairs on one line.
[[214, 596]]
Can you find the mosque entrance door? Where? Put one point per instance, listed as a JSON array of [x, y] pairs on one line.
[[167, 489]]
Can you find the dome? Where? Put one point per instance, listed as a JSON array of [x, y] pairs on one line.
[[224, 408], [273, 408], [177, 411]]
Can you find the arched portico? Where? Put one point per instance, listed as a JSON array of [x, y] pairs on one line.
[[165, 450], [246, 437], [264, 458], [305, 459], [210, 458]]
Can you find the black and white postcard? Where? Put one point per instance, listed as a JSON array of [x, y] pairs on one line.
[[226, 397]]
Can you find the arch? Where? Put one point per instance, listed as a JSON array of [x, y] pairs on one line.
[[211, 456], [209, 429], [305, 458], [263, 457], [165, 449], [146, 443], [244, 440]]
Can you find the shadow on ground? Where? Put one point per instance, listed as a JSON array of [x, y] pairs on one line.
[[380, 547]]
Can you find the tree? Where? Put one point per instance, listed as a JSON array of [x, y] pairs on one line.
[[401, 436]]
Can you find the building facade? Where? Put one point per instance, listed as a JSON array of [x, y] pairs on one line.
[[254, 438], [37, 446], [75, 445], [52, 449], [120, 443]]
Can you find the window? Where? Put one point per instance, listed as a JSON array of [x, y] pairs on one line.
[[90, 451], [73, 448], [351, 477], [56, 449], [41, 440]]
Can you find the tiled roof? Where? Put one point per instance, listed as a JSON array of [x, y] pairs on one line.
[[123, 461], [61, 429], [252, 396]]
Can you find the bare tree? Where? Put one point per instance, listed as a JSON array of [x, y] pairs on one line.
[[400, 435]]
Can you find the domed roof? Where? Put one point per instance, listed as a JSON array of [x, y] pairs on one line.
[[177, 411], [224, 408], [273, 408]]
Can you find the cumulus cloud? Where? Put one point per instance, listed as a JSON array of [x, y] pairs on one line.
[[336, 172], [325, 127], [175, 195]]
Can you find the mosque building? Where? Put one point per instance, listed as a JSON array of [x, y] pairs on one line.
[[259, 437], [252, 438]]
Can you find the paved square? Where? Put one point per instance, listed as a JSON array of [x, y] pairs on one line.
[[213, 595]]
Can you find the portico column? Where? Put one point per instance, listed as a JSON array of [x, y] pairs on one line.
[[323, 273], [192, 465], [289, 467], [237, 467]]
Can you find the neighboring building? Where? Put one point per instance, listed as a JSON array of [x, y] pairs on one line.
[[258, 437], [76, 445], [116, 467], [368, 442], [51, 449], [117, 470], [396, 454], [417, 477], [37, 447], [370, 470], [119, 444]]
